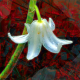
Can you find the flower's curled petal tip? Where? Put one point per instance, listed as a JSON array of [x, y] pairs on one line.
[[9, 34], [27, 26], [19, 39], [51, 24], [64, 42], [29, 58], [69, 41], [33, 53], [33, 50]]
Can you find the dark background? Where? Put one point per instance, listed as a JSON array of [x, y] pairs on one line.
[[47, 66]]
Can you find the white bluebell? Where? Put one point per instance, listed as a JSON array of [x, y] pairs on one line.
[[40, 33]]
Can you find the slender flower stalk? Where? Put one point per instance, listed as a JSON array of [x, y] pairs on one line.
[[20, 47], [38, 14]]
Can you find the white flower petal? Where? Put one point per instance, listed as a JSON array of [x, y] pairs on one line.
[[27, 26], [64, 42], [34, 44], [50, 45], [53, 38], [19, 39], [51, 24], [45, 20]]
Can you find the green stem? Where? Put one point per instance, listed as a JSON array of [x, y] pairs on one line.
[[38, 13], [20, 47]]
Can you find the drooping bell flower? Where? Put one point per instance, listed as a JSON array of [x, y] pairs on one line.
[[40, 33]]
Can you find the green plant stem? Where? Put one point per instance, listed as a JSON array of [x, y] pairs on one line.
[[38, 13], [20, 47]]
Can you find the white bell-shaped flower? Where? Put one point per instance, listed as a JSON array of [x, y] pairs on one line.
[[40, 33]]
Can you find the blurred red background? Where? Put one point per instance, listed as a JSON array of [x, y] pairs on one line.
[[47, 66]]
